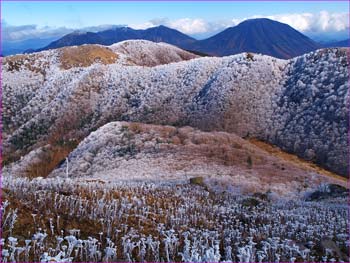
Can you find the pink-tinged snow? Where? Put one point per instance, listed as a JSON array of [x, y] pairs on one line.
[[121, 151], [298, 104]]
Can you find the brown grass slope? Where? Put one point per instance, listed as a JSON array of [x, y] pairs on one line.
[[126, 151]]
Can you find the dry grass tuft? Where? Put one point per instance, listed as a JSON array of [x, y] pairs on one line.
[[84, 56], [50, 158], [62, 139], [17, 62], [291, 158], [197, 181], [135, 127]]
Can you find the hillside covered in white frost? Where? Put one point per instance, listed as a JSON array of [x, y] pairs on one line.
[[123, 151], [63, 95], [143, 152]]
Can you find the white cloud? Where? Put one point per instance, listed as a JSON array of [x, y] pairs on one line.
[[12, 33], [191, 26], [310, 23], [18, 33], [323, 21]]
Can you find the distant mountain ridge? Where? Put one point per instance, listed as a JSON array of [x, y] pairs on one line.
[[16, 47], [111, 36], [343, 43], [261, 35]]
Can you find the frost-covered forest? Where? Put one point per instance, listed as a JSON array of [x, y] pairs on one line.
[[142, 151], [298, 104]]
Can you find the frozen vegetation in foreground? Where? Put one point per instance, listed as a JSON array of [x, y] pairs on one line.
[[66, 220]]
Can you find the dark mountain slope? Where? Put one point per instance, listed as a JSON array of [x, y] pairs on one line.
[[259, 36], [111, 36], [168, 35], [262, 35]]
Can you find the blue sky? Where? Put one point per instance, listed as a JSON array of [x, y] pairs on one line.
[[83, 14], [199, 19]]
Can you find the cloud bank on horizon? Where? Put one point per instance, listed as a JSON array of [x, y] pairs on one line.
[[312, 24], [13, 33], [321, 22]]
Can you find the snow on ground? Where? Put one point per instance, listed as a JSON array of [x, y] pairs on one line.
[[176, 172], [96, 221], [312, 112], [146, 53], [299, 104], [122, 151]]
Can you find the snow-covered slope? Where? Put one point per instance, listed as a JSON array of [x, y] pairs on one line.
[[146, 53], [312, 112], [281, 101], [122, 151]]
